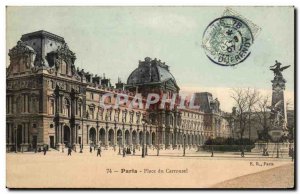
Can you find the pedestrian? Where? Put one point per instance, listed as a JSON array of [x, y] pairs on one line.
[[99, 151], [69, 151], [242, 152], [45, 150], [124, 152], [133, 150], [91, 149], [212, 151]]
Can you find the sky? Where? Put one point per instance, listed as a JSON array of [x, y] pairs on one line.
[[112, 40]]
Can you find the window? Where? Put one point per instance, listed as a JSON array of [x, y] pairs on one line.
[[79, 109], [108, 99], [67, 108], [25, 103], [63, 67], [92, 95], [9, 105], [51, 106], [92, 112]]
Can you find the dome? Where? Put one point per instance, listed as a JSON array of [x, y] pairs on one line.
[[150, 71]]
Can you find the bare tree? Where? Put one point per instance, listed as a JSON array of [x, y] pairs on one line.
[[262, 114], [240, 99], [252, 98], [245, 100]]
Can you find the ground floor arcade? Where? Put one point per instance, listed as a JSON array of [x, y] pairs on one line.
[[28, 137]]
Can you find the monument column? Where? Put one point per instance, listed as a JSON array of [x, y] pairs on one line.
[[278, 108]]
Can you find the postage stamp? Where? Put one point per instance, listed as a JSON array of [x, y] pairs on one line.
[[255, 29], [227, 41]]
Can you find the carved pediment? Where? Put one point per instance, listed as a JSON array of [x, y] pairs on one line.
[[20, 49], [21, 58], [66, 54]]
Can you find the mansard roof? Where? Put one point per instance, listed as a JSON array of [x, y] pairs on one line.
[[150, 71]]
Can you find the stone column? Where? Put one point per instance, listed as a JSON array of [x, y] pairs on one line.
[[56, 134], [167, 139], [115, 136], [60, 104], [8, 137], [150, 137], [163, 139], [106, 137], [130, 137], [72, 135], [28, 133], [97, 135], [123, 137], [8, 133], [137, 137], [62, 134], [76, 134], [25, 133], [87, 134], [145, 135]]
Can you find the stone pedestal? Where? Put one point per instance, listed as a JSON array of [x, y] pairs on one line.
[[276, 134], [259, 147], [24, 147], [59, 147], [10, 147], [283, 148], [76, 147]]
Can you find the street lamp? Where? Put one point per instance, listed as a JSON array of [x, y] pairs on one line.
[[133, 142], [183, 145], [119, 139], [158, 145]]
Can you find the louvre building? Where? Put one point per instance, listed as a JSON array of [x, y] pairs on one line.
[[51, 102]]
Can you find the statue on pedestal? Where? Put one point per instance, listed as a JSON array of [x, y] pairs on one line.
[[278, 109]]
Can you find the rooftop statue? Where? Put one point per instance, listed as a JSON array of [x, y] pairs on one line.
[[277, 69]]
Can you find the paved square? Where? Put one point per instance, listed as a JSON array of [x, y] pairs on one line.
[[170, 169]]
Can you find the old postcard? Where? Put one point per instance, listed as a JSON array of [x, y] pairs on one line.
[[150, 97]]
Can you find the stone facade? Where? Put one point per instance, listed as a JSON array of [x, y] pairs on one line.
[[51, 102]]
